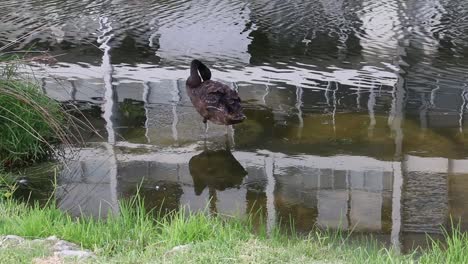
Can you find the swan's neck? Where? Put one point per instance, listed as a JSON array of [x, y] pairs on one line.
[[197, 68], [194, 80], [205, 73], [194, 68]]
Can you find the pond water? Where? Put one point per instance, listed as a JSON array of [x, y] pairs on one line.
[[357, 110]]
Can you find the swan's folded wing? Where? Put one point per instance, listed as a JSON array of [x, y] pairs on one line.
[[220, 97], [214, 101], [216, 87], [215, 94]]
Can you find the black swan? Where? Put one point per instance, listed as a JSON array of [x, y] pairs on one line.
[[213, 100]]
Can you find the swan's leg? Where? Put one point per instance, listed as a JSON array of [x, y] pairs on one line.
[[206, 125], [226, 142], [206, 129]]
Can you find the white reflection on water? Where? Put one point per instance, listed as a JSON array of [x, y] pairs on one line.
[[106, 69], [252, 74]]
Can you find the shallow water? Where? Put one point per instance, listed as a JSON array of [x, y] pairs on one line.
[[356, 109]]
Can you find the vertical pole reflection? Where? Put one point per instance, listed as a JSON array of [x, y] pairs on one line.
[[109, 101], [270, 189], [299, 104], [267, 91], [370, 107], [395, 117], [114, 204], [395, 122], [231, 129], [175, 119], [434, 93], [146, 94], [348, 202], [73, 91], [464, 96], [153, 26], [358, 96], [327, 98], [423, 112], [334, 108], [396, 205], [106, 66]]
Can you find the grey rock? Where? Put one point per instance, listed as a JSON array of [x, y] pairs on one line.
[[64, 245], [13, 237], [51, 238], [11, 240], [179, 249], [81, 254], [61, 248]]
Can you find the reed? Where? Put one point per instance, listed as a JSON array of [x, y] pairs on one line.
[[32, 125]]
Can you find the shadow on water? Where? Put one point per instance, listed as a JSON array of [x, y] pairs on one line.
[[353, 122], [217, 170]]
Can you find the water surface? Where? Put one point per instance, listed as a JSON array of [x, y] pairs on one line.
[[356, 109]]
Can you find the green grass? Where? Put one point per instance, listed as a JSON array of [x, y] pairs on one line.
[[24, 253], [31, 123], [456, 250], [134, 236], [7, 185]]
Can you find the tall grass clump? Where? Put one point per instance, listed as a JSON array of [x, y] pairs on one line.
[[31, 123], [454, 250], [7, 185]]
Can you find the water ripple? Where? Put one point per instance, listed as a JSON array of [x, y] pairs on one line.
[[280, 44]]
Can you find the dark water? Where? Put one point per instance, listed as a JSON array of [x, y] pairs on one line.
[[356, 109]]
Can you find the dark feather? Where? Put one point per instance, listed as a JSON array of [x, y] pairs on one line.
[[214, 101]]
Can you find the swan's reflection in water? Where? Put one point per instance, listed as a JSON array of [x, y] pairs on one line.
[[216, 170]]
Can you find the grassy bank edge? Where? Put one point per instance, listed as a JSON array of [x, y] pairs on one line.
[[133, 236], [33, 126]]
